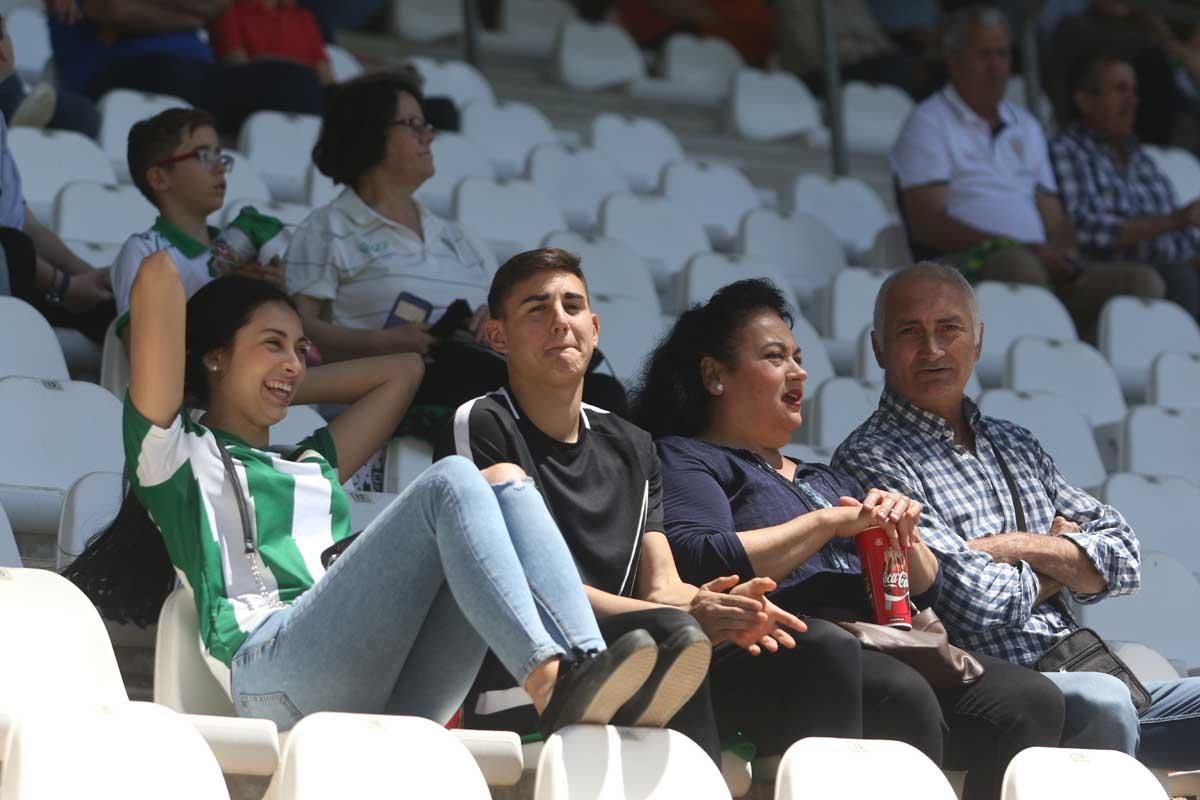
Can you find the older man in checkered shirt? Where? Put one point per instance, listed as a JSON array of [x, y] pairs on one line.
[[1000, 587]]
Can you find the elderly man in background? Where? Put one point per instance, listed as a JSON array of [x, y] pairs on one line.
[[976, 187], [1120, 202], [1010, 533]]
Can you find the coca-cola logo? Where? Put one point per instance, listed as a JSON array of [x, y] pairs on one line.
[[895, 580]]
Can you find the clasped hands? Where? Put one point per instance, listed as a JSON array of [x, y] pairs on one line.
[[731, 611]]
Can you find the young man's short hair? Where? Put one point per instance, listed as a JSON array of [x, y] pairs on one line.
[[526, 265], [154, 140]]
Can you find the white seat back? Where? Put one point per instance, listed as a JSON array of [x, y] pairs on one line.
[[717, 195], [318, 189], [1046, 773], [850, 302], [1158, 510], [814, 356], [1058, 426], [183, 680], [62, 430], [874, 114], [1070, 368], [101, 212], [590, 56], [90, 506], [28, 29], [807, 453], [299, 424], [612, 269], [98, 254], [528, 28], [801, 246], [1175, 380], [817, 768], [49, 160], [640, 146], [455, 158], [343, 63], [848, 206], [890, 249], [628, 332], [842, 405], [607, 763], [707, 63], [1012, 310], [1162, 441], [33, 350], [1181, 169], [1134, 331], [243, 184], [765, 106], [660, 231], [405, 458], [280, 146], [9, 556], [458, 80], [119, 110], [577, 179], [355, 755], [507, 132], [1146, 663], [511, 217], [114, 364], [707, 272], [426, 20]]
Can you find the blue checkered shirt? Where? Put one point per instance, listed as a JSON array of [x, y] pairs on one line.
[[987, 606], [1100, 194]]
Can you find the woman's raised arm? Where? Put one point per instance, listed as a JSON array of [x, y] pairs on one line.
[[156, 335]]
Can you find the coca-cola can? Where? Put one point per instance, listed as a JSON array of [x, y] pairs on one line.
[[886, 573]]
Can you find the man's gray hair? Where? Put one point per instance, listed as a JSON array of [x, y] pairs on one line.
[[954, 37], [931, 270]]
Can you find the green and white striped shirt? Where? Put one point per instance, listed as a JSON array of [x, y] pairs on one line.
[[296, 505]]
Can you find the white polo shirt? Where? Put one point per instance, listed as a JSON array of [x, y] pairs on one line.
[[992, 176], [359, 261]]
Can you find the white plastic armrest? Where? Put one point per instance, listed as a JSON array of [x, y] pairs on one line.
[[242, 746], [498, 754], [6, 725]]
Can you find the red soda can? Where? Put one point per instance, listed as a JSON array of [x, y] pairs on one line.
[[886, 575]]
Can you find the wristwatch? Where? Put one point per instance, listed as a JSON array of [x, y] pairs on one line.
[[55, 295]]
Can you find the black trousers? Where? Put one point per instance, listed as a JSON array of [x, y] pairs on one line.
[[21, 257]]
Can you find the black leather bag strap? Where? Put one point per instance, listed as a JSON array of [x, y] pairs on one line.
[[1012, 487], [243, 512]]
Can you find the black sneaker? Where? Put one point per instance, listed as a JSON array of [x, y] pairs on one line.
[[591, 687], [682, 664]]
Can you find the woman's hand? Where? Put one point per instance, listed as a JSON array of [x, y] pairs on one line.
[[777, 634], [411, 338], [729, 611], [896, 514]]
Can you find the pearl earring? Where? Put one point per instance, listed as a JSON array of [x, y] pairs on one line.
[[212, 367], [718, 387]]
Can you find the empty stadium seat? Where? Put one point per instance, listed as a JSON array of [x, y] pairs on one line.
[[458, 80], [38, 354], [578, 179], [602, 762], [89, 507], [58, 431], [81, 353], [640, 146], [318, 189], [280, 147], [527, 27], [98, 254], [114, 364], [801, 246], [841, 405], [9, 556], [1009, 311], [807, 453], [627, 335], [814, 357], [695, 70], [1134, 331], [612, 269], [132, 751], [28, 29], [596, 55], [299, 423], [405, 458], [183, 679], [49, 160], [243, 183], [890, 249], [705, 273], [1181, 169], [849, 306], [717, 195], [426, 20], [1050, 773], [287, 213], [1175, 380], [1162, 441], [765, 106], [342, 63], [99, 212], [507, 132], [1146, 663], [818, 768], [1062, 430], [455, 157], [873, 114], [848, 206], [511, 217], [1160, 511], [658, 230], [119, 110], [355, 755], [867, 367]]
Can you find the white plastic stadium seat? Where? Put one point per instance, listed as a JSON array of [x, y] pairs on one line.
[[527, 27], [1159, 510], [705, 273], [54, 432], [119, 110], [290, 214], [807, 453], [818, 768], [1147, 663], [874, 114], [455, 158], [696, 70], [89, 507], [243, 182], [1134, 331], [405, 458], [81, 353], [100, 212], [183, 680], [458, 80], [1058, 426], [49, 160], [1050, 773], [426, 20], [578, 179], [98, 254], [868, 369], [815, 358], [590, 56], [842, 404], [717, 195], [135, 751], [1009, 311], [280, 146], [890, 249], [660, 231], [608, 763], [114, 364], [801, 246], [1162, 441], [29, 31], [343, 63], [640, 146], [848, 206], [627, 335], [9, 556], [299, 423], [507, 132], [1182, 171], [318, 189], [612, 269], [1175, 380], [765, 106], [849, 307], [511, 217], [355, 755], [32, 349]]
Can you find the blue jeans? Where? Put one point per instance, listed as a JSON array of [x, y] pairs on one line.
[[1101, 715], [401, 621]]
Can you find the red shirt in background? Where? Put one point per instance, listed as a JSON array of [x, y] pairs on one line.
[[281, 29], [746, 24]]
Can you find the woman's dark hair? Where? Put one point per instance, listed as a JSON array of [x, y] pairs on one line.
[[354, 128], [125, 570], [670, 398]]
